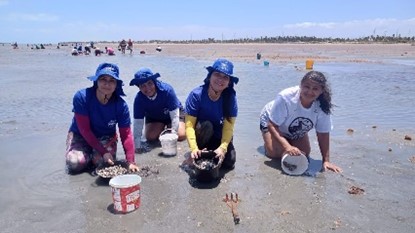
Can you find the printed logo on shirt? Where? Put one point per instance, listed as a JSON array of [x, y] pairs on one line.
[[166, 111], [299, 127], [112, 123]]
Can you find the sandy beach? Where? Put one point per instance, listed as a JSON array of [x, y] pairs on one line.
[[327, 52], [373, 141]]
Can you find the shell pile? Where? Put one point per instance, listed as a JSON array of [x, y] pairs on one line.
[[205, 164], [356, 190], [146, 171], [112, 171]]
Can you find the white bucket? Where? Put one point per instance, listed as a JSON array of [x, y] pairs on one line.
[[168, 139], [297, 164], [126, 192]]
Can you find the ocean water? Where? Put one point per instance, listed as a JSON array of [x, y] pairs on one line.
[[376, 100], [38, 85]]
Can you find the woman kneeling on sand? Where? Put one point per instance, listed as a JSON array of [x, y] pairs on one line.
[[92, 137], [156, 105], [285, 121], [211, 111]]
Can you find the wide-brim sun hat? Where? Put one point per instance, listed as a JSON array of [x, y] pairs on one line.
[[106, 69], [142, 76], [111, 70], [294, 165], [224, 66]]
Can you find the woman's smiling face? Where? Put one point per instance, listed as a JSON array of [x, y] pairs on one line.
[[309, 92], [148, 88], [107, 84], [219, 81]]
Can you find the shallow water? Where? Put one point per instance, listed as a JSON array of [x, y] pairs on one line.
[[39, 84], [374, 99]]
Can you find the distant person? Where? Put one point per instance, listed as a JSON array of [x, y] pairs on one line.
[[109, 51], [211, 111], [156, 105], [80, 49], [98, 112], [97, 51], [122, 46], [87, 50], [74, 52], [15, 46], [130, 46], [285, 121]]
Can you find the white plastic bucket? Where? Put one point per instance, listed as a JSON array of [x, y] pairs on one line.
[[126, 192], [168, 139], [294, 165]]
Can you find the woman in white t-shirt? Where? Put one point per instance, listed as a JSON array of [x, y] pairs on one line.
[[285, 121]]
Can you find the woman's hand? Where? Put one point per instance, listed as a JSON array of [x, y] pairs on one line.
[[220, 153], [108, 158], [134, 168], [331, 167], [196, 153], [292, 150]]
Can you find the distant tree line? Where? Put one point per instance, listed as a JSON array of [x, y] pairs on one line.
[[392, 39], [295, 39]]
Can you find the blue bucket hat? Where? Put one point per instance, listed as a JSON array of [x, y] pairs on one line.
[[111, 70], [142, 76], [224, 66], [106, 69]]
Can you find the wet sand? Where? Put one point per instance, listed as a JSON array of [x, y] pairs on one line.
[[38, 196], [325, 52]]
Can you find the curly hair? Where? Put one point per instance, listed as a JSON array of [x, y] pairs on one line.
[[325, 97]]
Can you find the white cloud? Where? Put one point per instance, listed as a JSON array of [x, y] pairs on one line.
[[310, 25], [40, 17], [354, 28], [87, 31]]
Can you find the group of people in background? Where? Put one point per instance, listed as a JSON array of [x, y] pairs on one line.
[[78, 49], [206, 121], [124, 45], [32, 46]]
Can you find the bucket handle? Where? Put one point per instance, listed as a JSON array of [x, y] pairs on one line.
[[167, 130]]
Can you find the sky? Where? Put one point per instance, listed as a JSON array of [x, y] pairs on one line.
[[53, 21]]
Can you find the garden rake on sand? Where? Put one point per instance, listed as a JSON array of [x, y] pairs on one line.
[[232, 202]]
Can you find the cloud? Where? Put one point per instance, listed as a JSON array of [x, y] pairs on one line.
[[310, 25], [99, 31], [353, 28], [40, 17]]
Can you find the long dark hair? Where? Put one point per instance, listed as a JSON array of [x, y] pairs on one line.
[[325, 97], [227, 94]]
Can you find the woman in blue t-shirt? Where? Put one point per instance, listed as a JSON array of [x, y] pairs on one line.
[[158, 103], [92, 137], [211, 111]]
